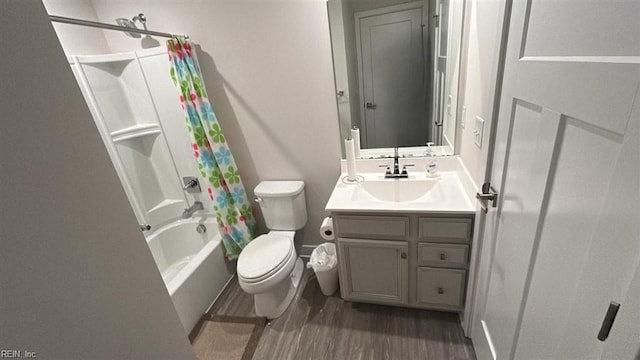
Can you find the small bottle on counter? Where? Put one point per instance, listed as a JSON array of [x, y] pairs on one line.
[[432, 165]]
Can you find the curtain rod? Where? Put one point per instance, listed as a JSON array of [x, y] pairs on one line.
[[95, 24]]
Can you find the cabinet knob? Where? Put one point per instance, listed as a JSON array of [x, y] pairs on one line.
[[443, 256], [403, 255], [440, 290]]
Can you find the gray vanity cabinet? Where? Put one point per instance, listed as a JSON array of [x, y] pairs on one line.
[[414, 260]]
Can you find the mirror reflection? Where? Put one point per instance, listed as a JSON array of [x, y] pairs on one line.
[[396, 70]]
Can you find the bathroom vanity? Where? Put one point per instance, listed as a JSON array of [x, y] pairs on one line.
[[404, 242]]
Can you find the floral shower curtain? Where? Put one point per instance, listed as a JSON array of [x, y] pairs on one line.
[[215, 161]]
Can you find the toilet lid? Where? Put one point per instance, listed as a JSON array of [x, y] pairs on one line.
[[263, 255]]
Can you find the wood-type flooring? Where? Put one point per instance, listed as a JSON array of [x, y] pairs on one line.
[[327, 328]]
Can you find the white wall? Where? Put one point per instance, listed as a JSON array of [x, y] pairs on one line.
[[267, 66], [77, 280], [483, 25], [85, 42]]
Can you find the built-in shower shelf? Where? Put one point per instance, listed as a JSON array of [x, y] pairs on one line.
[[135, 131], [165, 203], [105, 58]]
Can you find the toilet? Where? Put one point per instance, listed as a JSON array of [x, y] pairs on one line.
[[269, 267]]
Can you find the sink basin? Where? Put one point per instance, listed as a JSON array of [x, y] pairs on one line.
[[400, 190]]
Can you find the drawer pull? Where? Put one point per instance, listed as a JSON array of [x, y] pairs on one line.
[[440, 290], [443, 256]]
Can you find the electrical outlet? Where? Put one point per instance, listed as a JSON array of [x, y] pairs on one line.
[[463, 116], [478, 131]]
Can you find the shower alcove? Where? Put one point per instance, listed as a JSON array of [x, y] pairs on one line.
[[136, 110]]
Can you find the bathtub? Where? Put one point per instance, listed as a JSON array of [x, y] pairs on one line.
[[192, 266]]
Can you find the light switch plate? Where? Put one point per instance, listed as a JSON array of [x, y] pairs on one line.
[[478, 131], [463, 116], [449, 101]]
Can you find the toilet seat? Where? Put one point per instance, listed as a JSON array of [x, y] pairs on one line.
[[264, 256]]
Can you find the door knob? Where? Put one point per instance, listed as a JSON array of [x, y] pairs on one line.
[[371, 106], [488, 194]]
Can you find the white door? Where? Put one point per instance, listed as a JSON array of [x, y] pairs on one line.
[[391, 73], [441, 47], [564, 240]]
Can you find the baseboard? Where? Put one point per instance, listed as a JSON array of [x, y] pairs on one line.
[[306, 250]]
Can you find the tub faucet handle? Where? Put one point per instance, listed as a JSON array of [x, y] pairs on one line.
[[188, 212], [145, 227], [191, 184]]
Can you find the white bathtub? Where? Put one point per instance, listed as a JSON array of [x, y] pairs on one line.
[[192, 266]]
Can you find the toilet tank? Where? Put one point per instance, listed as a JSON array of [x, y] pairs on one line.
[[282, 203]]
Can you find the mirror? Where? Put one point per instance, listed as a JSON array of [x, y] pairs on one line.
[[396, 69]]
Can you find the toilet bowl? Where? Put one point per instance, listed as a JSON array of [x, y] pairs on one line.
[[270, 270], [269, 267]]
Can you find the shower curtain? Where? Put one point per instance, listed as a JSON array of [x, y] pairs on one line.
[[215, 161]]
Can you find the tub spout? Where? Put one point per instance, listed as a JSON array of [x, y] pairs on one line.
[[192, 209]]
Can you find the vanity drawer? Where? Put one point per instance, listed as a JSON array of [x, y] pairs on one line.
[[451, 230], [443, 255], [373, 227], [443, 287]]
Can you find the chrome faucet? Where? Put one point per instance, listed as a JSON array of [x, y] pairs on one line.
[[192, 209], [396, 174]]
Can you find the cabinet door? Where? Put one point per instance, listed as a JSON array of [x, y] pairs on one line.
[[374, 270]]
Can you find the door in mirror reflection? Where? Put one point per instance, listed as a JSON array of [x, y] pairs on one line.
[[440, 98], [392, 82]]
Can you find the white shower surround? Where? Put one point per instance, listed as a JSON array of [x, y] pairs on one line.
[[135, 107]]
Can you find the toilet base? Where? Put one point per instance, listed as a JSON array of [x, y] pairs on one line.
[[272, 304]]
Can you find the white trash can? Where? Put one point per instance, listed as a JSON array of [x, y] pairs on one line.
[[324, 262]]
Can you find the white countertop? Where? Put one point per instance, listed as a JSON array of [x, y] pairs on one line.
[[452, 193]]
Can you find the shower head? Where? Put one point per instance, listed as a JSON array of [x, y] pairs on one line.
[[128, 24]]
